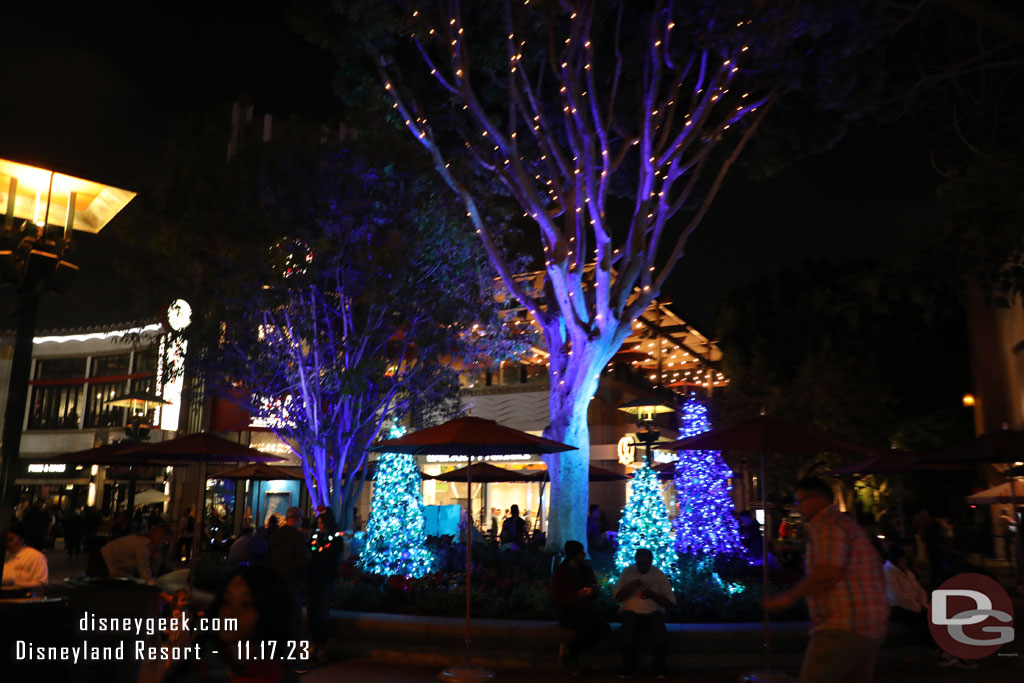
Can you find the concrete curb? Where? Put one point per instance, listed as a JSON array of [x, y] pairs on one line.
[[511, 644]]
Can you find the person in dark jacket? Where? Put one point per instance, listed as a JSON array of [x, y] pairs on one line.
[[325, 548], [513, 530], [289, 556], [573, 592]]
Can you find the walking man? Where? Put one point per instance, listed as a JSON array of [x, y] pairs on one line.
[[644, 592], [845, 592]]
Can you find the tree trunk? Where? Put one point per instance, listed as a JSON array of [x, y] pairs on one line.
[[570, 486]]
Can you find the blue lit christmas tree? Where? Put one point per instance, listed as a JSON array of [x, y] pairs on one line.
[[706, 525], [395, 531], [645, 524]]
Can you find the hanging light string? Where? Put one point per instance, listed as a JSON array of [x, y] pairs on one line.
[[562, 177]]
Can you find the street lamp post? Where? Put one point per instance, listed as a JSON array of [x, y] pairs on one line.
[[645, 409], [41, 210]]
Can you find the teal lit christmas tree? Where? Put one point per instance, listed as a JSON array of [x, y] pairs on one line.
[[706, 525], [645, 524], [395, 531]]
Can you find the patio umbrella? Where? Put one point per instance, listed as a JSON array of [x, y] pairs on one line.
[[470, 436], [151, 496], [121, 454], [894, 461], [1002, 446], [1005, 445], [258, 472], [666, 471], [1007, 492], [764, 434], [485, 473], [202, 448]]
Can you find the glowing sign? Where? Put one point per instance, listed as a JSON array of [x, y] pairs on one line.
[[627, 449], [40, 467]]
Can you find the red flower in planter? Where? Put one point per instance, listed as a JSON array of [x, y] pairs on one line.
[[399, 582]]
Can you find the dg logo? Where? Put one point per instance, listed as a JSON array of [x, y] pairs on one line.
[[971, 616]]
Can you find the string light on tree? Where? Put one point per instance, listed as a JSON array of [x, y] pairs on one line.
[[645, 524], [706, 525], [395, 531]]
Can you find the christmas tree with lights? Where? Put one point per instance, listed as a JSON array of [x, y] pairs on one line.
[[706, 525], [645, 524], [395, 532]]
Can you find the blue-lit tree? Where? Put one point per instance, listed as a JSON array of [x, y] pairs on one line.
[[358, 296], [395, 531], [705, 525], [645, 524], [539, 98], [603, 120]]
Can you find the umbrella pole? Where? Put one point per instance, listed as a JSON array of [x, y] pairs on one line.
[[764, 569], [197, 536], [469, 544], [131, 497]]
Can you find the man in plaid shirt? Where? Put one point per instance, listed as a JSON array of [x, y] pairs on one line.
[[845, 592]]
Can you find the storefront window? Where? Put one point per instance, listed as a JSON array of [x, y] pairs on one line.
[[55, 407], [60, 368], [98, 413], [145, 361], [110, 366]]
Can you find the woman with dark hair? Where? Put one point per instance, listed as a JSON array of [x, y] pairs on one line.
[[325, 545], [259, 647]]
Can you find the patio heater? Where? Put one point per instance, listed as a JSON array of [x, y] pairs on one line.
[[645, 409], [41, 210]]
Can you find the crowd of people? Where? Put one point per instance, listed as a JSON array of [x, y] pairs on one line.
[[851, 595], [291, 563]]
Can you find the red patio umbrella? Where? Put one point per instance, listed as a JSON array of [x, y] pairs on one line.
[[1005, 445], [202, 448], [485, 473], [894, 461], [470, 436], [120, 454], [257, 472], [764, 434]]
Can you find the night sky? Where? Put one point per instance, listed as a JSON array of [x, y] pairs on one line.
[[99, 96]]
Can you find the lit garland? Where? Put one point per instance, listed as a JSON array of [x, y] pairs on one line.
[[318, 544], [395, 531], [706, 525], [645, 524]]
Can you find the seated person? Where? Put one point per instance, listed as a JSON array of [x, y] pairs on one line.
[[573, 592], [644, 592], [25, 567], [908, 604]]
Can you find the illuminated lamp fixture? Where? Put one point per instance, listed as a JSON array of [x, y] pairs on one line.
[[41, 210], [968, 400], [645, 409]]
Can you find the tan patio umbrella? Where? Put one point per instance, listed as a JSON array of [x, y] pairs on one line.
[[472, 437], [1007, 492]]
